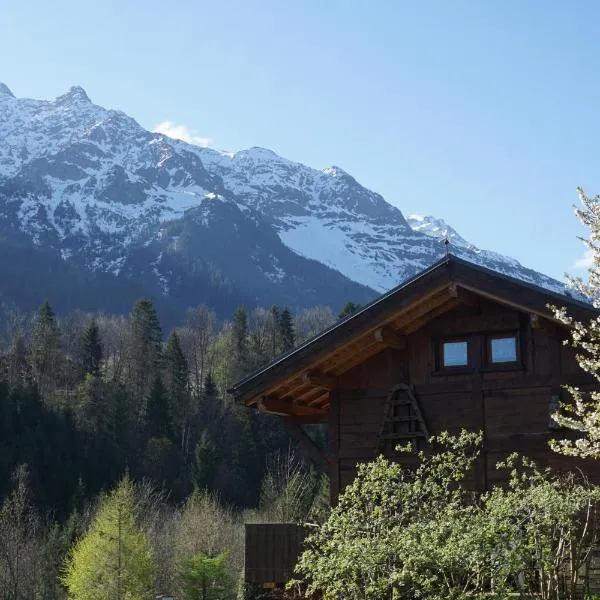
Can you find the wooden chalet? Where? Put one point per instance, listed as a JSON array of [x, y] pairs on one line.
[[457, 346]]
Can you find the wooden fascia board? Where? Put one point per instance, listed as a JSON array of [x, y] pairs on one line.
[[520, 295], [546, 314], [364, 329]]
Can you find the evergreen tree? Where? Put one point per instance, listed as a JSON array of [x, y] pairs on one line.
[[146, 348], [90, 352], [176, 379], [18, 368], [46, 347], [205, 577], [349, 309], [205, 453], [274, 332], [158, 416], [114, 559], [286, 330], [239, 330], [205, 462], [91, 412]]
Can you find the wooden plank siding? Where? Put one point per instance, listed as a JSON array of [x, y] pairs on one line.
[[272, 550], [510, 406]]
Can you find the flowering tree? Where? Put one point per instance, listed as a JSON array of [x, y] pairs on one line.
[[583, 413]]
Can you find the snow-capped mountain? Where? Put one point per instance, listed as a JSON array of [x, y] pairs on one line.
[[95, 189]]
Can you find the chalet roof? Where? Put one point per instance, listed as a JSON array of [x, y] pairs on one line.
[[303, 377]]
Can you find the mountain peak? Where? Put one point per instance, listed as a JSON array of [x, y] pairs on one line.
[[75, 94], [5, 90], [257, 153], [334, 171]]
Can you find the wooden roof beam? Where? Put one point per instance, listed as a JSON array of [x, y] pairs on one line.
[[388, 337], [320, 380], [427, 317], [275, 406], [465, 296]]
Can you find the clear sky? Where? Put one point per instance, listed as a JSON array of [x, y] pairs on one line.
[[482, 113]]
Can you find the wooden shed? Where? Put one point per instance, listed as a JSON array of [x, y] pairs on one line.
[[457, 346]]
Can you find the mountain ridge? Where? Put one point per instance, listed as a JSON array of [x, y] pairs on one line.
[[92, 186]]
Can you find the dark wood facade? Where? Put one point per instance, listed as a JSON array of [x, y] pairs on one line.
[[379, 378], [510, 404], [272, 550]]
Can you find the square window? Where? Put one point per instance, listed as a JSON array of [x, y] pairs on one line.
[[503, 349], [455, 354]]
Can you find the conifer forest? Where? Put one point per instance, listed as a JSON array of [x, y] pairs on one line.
[[110, 422]]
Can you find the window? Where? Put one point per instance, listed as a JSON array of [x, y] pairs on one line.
[[455, 354], [502, 349]]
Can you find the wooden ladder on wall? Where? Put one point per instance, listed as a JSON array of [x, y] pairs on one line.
[[403, 421]]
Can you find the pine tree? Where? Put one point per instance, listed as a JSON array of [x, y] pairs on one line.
[[90, 353], [205, 462], [158, 416], [91, 412], [286, 330], [274, 332], [240, 358], [114, 559], [146, 348], [210, 419], [176, 380], [349, 309], [46, 356], [18, 367]]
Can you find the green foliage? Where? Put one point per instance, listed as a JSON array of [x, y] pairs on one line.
[[90, 354], [205, 577], [46, 346], [158, 418], [288, 490], [117, 399], [286, 329], [349, 309], [145, 353], [176, 377], [401, 534], [239, 331], [113, 559], [544, 526], [274, 333], [121, 399]]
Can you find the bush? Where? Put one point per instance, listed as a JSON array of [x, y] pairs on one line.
[[417, 534]]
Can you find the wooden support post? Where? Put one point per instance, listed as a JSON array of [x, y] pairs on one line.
[[317, 379], [307, 443], [389, 337]]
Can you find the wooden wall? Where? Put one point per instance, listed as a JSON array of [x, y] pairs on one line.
[[510, 406], [272, 550]]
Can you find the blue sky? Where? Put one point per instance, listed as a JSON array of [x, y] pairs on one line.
[[482, 113]]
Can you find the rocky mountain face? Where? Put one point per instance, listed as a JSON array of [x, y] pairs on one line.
[[90, 188]]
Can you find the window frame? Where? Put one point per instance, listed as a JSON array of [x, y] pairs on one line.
[[441, 367], [489, 364]]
